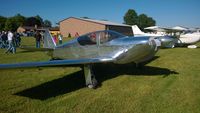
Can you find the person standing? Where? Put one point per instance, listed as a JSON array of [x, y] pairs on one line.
[[38, 39], [60, 38], [13, 43], [55, 39], [18, 39], [10, 48], [4, 40], [1, 42], [76, 34], [42, 37]]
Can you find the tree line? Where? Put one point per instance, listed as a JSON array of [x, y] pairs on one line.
[[12, 23], [132, 18]]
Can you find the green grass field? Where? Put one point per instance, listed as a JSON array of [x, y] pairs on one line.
[[168, 84]]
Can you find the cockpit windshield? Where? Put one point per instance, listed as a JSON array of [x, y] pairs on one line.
[[98, 37]]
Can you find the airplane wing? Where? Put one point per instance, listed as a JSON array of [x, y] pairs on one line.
[[56, 63], [29, 48]]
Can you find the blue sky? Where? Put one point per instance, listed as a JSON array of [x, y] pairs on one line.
[[167, 13]]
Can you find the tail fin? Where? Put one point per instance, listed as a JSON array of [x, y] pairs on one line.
[[136, 30], [48, 40]]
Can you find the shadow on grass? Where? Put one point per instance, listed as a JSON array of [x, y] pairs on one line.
[[110, 71], [76, 80], [25, 51], [55, 87]]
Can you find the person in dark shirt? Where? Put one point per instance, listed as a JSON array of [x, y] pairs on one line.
[[38, 37], [4, 40]]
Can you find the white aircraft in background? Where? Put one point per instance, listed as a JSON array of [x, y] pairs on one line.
[[166, 41], [190, 38], [183, 39], [187, 38]]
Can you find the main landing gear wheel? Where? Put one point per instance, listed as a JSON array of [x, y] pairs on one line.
[[90, 80]]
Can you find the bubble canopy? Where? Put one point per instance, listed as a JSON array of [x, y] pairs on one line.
[[98, 37]]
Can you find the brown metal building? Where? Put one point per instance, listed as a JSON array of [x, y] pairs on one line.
[[82, 26]]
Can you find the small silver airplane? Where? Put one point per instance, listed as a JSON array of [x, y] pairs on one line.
[[95, 47]]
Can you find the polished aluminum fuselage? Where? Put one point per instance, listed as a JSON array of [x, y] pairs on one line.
[[121, 50], [167, 41]]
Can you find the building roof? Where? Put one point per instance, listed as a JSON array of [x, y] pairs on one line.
[[27, 27], [103, 22], [40, 28]]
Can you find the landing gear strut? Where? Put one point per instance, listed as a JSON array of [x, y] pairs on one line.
[[90, 80]]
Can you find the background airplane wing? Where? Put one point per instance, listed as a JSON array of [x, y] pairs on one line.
[[28, 48], [56, 63]]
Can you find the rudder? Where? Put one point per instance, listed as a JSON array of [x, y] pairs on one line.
[[136, 30], [48, 40]]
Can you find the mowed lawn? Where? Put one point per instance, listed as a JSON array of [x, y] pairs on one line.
[[168, 84]]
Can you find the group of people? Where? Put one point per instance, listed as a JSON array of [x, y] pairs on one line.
[[57, 38], [39, 37], [9, 40]]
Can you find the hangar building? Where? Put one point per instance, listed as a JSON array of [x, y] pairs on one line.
[[82, 26]]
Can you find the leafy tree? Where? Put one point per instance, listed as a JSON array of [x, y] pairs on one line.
[[2, 22], [131, 17], [145, 21], [14, 22], [142, 21], [151, 22], [19, 20], [32, 21], [10, 24], [39, 19], [47, 23]]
